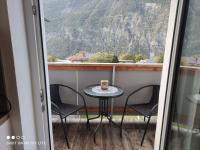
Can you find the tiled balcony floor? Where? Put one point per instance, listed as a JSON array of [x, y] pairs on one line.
[[107, 138]]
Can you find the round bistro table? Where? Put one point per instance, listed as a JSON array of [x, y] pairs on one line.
[[104, 97]]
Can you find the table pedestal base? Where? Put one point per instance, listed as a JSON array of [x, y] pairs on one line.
[[104, 111]]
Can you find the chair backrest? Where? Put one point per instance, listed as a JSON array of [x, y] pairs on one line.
[[155, 94], [54, 92]]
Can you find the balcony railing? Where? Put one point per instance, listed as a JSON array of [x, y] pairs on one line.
[[128, 76]]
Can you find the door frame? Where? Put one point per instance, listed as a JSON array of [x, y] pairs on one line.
[[170, 74], [39, 70], [175, 65], [35, 26]]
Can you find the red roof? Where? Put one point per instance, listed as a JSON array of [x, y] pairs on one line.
[[80, 57]]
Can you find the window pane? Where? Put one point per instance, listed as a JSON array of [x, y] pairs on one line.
[[184, 133]]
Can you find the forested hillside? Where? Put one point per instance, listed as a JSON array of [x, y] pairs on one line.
[[115, 26]]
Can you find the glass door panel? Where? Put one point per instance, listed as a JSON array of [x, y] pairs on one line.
[[184, 128]]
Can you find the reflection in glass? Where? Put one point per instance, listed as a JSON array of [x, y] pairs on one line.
[[184, 131]]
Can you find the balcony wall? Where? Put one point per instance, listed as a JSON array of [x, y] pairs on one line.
[[127, 76]]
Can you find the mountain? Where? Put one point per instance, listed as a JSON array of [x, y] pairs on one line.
[[115, 26]]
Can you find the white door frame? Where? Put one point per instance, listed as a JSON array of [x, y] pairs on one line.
[[40, 30], [171, 49], [39, 68]]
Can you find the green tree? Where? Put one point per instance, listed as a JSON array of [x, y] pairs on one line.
[[52, 59], [184, 61], [159, 59], [127, 56], [115, 59], [102, 57], [139, 57]]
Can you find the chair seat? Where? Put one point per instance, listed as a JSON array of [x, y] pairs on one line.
[[66, 109], [143, 109]]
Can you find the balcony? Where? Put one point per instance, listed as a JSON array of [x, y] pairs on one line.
[[129, 77]]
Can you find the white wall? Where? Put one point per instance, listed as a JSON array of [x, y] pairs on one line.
[[16, 61], [22, 70], [9, 73], [5, 130]]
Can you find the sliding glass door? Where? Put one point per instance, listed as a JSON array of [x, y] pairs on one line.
[[184, 116]]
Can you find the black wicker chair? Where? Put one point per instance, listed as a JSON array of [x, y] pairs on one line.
[[63, 109], [146, 110]]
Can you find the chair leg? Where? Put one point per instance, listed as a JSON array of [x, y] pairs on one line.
[[65, 132], [122, 121], [147, 124], [66, 126]]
